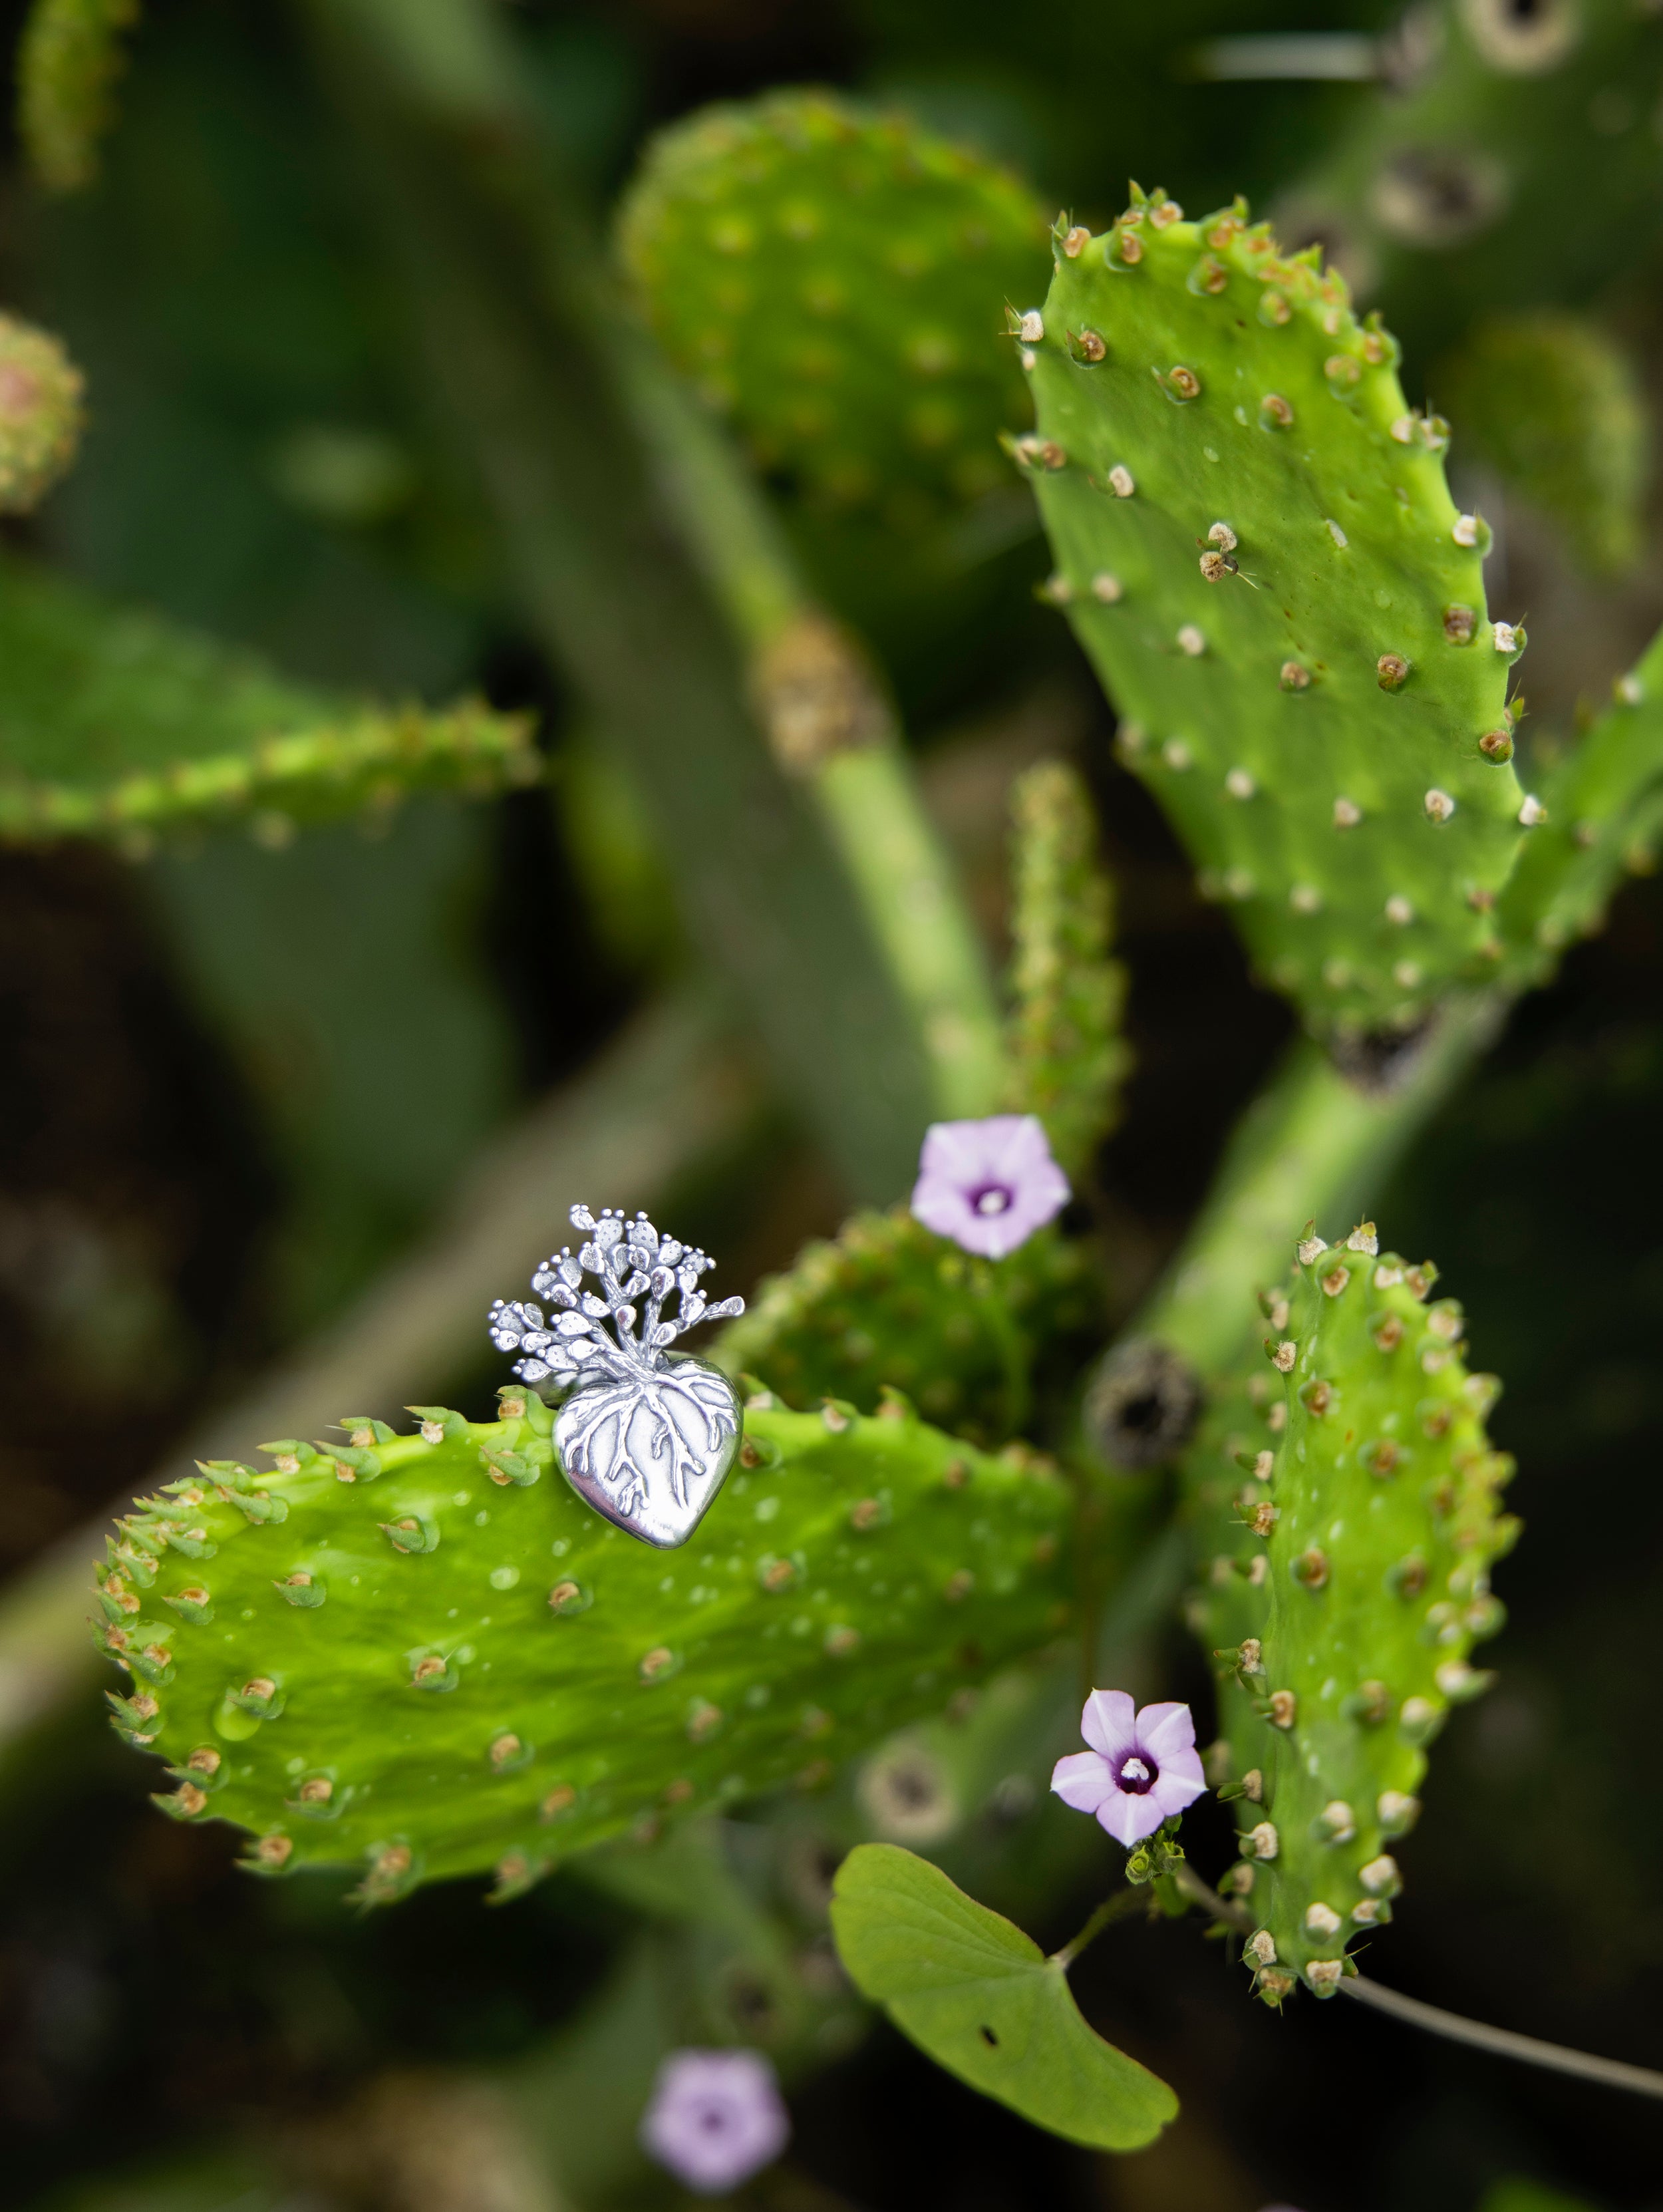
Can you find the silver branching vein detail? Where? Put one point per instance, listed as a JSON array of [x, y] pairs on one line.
[[647, 1435]]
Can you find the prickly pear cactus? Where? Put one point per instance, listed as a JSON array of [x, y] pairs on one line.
[[67, 62], [119, 727], [1350, 1583], [833, 278], [1068, 1058], [888, 1305], [1256, 546], [1446, 193], [422, 1655], [1552, 402]]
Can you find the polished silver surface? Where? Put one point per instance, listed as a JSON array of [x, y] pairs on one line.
[[647, 1435]]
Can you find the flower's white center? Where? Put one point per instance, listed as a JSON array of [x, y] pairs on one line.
[[1136, 1775], [996, 1199]]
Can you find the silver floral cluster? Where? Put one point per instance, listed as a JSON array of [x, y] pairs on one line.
[[623, 1334]]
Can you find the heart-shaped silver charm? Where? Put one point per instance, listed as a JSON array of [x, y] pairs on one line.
[[647, 1435], [651, 1452]]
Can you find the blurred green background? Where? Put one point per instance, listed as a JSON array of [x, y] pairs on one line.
[[238, 1082]]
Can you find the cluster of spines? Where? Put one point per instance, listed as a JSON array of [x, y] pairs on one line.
[[1364, 1510], [1320, 906], [365, 764], [170, 1709]]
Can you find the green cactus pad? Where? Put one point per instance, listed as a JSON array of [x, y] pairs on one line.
[[1553, 403], [834, 279], [1351, 1584], [423, 1656], [1256, 546], [118, 726], [68, 61], [1067, 1055], [888, 1305]]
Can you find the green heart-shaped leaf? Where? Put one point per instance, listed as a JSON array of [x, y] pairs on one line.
[[985, 2001]]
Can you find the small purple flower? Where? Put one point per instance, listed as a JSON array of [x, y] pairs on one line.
[[1143, 1765], [715, 2118], [988, 1184]]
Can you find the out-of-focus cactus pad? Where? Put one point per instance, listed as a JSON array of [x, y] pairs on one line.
[[1256, 544], [1067, 1055], [836, 280], [423, 1656], [889, 1304], [116, 726], [1357, 1520], [41, 414], [1552, 402], [67, 62]]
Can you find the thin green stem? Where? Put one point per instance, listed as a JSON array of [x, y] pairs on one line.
[[1503, 2042], [731, 529], [1191, 1884], [485, 151], [1120, 1906], [1313, 1145], [1454, 2027], [865, 791], [869, 803]]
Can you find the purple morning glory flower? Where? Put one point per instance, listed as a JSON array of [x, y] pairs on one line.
[[715, 2118], [1143, 1765], [988, 1184]]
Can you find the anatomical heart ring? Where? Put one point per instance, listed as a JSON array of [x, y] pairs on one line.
[[646, 1435]]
